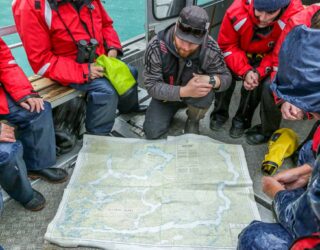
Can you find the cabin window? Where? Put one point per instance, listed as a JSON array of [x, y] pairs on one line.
[[165, 9], [205, 2]]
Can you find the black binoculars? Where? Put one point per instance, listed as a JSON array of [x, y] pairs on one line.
[[87, 51]]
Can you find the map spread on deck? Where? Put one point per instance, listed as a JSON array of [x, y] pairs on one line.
[[186, 192]]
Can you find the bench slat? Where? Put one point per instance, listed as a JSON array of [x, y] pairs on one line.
[[55, 92], [42, 83]]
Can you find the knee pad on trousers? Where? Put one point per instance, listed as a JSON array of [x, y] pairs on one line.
[[101, 112]]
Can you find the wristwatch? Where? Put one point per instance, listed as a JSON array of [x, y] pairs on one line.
[[212, 81]]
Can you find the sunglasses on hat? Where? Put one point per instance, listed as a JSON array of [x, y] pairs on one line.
[[190, 30]]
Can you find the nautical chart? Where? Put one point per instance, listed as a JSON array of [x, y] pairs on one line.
[[186, 192]]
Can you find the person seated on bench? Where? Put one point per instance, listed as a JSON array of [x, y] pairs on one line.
[[13, 172], [62, 39], [22, 107], [296, 197]]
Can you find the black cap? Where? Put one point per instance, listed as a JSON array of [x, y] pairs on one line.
[[193, 24]]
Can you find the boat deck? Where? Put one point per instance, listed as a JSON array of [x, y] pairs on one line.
[[21, 229]]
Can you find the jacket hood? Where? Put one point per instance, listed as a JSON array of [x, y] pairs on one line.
[[298, 77]]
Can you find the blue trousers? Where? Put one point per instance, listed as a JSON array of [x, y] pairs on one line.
[[298, 214], [102, 103], [306, 154], [264, 236], [36, 133], [13, 173]]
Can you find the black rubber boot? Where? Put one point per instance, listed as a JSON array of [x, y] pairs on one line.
[[37, 202]]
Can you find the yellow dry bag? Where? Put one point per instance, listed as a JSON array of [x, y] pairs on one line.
[[117, 72], [283, 143]]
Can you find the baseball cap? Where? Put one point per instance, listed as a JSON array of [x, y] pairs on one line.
[[193, 24]]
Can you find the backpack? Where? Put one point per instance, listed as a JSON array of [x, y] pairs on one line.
[[311, 242]]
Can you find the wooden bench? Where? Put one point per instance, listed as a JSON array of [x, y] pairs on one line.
[[53, 92]]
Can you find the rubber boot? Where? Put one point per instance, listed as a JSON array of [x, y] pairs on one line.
[[194, 117]]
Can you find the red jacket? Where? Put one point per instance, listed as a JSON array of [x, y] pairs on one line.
[[12, 79], [237, 30], [50, 48], [316, 140], [303, 17]]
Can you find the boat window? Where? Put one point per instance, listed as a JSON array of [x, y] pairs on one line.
[[165, 9], [205, 2]]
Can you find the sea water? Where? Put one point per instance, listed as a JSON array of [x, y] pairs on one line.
[[128, 17]]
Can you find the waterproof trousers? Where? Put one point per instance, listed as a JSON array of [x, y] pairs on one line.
[[13, 173], [160, 113], [36, 133], [298, 214], [306, 154], [249, 101], [102, 103]]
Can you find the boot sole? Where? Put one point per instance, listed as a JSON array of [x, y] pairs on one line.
[[35, 177], [235, 136], [37, 208]]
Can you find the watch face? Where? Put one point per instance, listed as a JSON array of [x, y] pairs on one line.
[[212, 81]]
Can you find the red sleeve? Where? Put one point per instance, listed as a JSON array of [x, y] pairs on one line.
[[276, 50], [228, 41], [12, 77], [109, 34], [316, 140], [35, 37]]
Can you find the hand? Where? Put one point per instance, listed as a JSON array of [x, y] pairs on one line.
[[33, 104], [96, 71], [294, 178], [196, 87], [271, 186], [251, 80], [113, 53], [291, 112], [6, 133]]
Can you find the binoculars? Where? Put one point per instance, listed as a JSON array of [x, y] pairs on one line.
[[87, 51]]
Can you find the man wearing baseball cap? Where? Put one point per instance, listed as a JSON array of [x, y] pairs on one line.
[[183, 68], [248, 33]]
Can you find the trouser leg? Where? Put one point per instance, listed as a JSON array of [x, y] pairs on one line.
[[36, 132], [270, 113], [158, 117], [264, 236], [248, 103], [295, 212], [222, 103], [13, 173], [102, 101], [1, 205], [130, 100], [306, 154]]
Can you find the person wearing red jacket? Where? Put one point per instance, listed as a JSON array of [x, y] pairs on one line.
[[22, 107], [296, 191], [62, 39], [288, 110], [248, 33]]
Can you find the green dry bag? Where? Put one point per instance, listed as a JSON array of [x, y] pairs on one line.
[[117, 72]]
